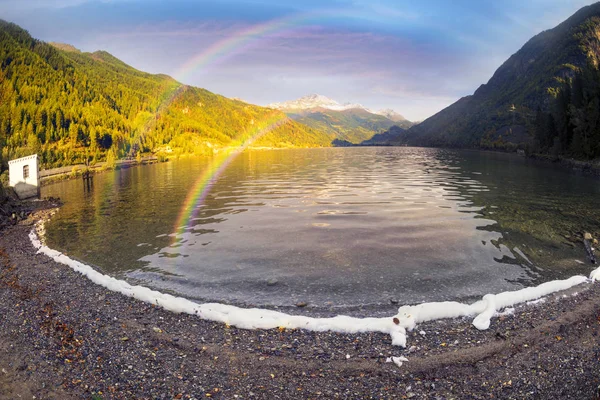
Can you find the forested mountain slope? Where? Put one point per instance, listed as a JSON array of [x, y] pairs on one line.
[[354, 125], [503, 112], [67, 105]]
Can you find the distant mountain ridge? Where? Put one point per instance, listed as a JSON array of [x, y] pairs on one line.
[[350, 123], [65, 47], [314, 100], [502, 112], [391, 114]]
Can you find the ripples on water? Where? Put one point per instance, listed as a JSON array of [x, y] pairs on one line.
[[338, 228]]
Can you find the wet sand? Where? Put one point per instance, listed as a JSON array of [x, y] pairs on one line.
[[63, 337]]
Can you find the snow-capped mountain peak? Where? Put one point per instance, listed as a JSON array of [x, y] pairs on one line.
[[391, 114], [314, 101]]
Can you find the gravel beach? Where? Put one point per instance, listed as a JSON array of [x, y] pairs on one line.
[[63, 337]]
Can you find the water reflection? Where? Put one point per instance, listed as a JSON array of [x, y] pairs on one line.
[[332, 227]]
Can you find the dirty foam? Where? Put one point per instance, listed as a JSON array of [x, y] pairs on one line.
[[396, 326]]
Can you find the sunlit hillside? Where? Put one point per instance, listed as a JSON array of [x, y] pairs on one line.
[[68, 105]]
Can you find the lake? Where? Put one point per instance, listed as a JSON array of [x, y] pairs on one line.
[[341, 229]]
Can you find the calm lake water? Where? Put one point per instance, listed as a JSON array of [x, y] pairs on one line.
[[343, 229]]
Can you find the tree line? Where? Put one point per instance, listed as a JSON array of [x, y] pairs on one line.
[[571, 126]]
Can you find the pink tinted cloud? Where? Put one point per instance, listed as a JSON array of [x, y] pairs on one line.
[[305, 58]]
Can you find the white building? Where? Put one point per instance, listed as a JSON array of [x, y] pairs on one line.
[[24, 177]]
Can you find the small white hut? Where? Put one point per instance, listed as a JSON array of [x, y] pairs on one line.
[[24, 177]]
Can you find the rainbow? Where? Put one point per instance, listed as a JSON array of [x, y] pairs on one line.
[[211, 174], [230, 46], [213, 55], [221, 50], [244, 39]]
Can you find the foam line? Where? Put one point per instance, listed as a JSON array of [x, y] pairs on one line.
[[255, 318], [595, 275]]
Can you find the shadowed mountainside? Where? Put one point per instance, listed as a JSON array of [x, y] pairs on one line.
[[502, 113]]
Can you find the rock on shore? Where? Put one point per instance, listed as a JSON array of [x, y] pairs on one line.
[[63, 337]]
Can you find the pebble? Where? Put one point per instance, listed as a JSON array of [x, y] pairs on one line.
[[230, 358]]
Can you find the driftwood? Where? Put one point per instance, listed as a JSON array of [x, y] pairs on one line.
[[588, 247]]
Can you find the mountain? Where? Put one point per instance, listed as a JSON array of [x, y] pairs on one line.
[[65, 47], [391, 114], [313, 101], [502, 113], [347, 122], [386, 138], [68, 105], [353, 125], [397, 118]]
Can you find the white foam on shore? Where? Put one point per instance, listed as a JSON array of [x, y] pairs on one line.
[[255, 318], [595, 275]]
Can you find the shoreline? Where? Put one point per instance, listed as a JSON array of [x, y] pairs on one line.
[[396, 325], [68, 172], [585, 168], [62, 336]]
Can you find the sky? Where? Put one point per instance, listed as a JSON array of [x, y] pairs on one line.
[[415, 57]]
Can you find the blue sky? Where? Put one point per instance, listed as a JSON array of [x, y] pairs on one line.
[[416, 57]]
